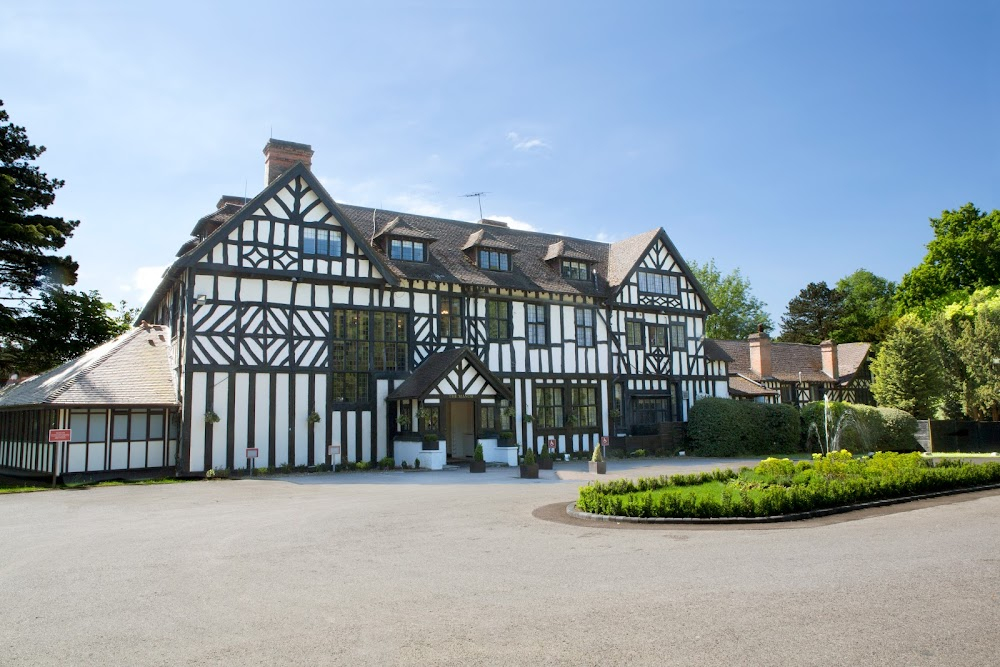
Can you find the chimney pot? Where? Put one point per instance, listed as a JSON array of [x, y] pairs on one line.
[[280, 156]]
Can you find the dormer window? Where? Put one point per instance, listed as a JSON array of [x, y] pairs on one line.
[[494, 260], [575, 269], [322, 242], [407, 250]]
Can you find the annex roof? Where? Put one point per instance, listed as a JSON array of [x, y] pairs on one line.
[[741, 386], [790, 359], [133, 369]]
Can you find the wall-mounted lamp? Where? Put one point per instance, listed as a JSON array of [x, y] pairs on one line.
[[201, 299]]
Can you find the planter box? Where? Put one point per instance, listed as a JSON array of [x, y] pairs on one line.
[[599, 467], [545, 464], [477, 466], [529, 471]]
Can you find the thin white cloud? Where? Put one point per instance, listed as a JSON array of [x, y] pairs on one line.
[[143, 284], [525, 143], [604, 237]]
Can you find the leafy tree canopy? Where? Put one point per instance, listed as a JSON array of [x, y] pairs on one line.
[[963, 256], [868, 314], [907, 372], [967, 335], [740, 312], [813, 315]]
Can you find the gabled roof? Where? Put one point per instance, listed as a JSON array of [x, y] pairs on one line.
[[133, 369], [483, 239], [714, 352], [397, 227], [436, 367], [561, 250], [790, 359]]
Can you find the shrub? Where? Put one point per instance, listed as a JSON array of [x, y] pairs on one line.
[[323, 467], [478, 455], [360, 465], [263, 470], [416, 464], [543, 452], [529, 457], [724, 427], [638, 454], [387, 463], [862, 428]]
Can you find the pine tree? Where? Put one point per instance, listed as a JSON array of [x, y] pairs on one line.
[[813, 315], [907, 371]]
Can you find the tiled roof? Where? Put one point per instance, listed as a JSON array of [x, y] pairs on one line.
[[623, 255], [790, 359], [561, 249], [227, 208], [483, 239], [133, 369], [714, 352], [741, 386], [400, 228]]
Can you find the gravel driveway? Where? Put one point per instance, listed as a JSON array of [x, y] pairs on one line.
[[457, 569]]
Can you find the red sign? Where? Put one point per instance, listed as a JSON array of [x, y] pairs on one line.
[[59, 435], [552, 443], [604, 441], [252, 452]]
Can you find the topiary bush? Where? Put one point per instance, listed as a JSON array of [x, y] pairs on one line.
[[724, 427]]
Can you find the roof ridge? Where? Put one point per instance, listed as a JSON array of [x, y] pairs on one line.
[[118, 344]]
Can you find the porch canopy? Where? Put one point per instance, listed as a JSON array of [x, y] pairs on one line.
[[453, 373]]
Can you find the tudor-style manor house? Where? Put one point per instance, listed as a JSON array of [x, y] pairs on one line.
[[316, 331]]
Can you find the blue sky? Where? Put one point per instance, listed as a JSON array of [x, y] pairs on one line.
[[797, 141]]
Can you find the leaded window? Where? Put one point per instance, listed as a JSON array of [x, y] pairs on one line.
[[488, 418], [548, 407], [349, 356], [389, 346], [648, 411], [585, 327], [537, 327], [574, 270], [633, 333], [678, 336], [406, 250], [450, 316], [658, 336], [322, 242], [657, 283], [583, 401], [494, 260], [498, 320]]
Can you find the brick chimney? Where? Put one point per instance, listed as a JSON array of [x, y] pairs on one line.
[[828, 349], [760, 352], [280, 156]]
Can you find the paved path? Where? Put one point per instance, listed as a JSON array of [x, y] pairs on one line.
[[454, 569]]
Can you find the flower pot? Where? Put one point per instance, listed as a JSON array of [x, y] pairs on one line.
[[545, 464], [598, 467], [529, 471], [477, 466]]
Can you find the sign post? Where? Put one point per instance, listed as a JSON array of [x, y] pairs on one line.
[[252, 458], [604, 444], [57, 436]]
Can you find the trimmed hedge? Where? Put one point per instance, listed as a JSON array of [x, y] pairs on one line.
[[784, 487], [724, 427], [864, 429]]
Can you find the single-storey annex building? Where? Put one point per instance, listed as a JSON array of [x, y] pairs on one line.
[[320, 332]]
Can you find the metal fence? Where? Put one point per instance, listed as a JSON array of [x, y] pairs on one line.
[[963, 436]]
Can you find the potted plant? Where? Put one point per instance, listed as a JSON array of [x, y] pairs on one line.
[[597, 463], [505, 439], [431, 441], [212, 418], [478, 462], [544, 458], [313, 418], [529, 468]]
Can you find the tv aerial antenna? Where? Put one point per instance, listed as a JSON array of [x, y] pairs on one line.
[[479, 198]]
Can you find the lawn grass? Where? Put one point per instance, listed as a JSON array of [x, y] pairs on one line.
[[26, 487], [959, 455]]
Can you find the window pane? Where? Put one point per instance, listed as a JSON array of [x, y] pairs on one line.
[[98, 426], [78, 426], [407, 250], [504, 261], [395, 249], [322, 242], [309, 241], [336, 244], [156, 426], [120, 426], [138, 428]]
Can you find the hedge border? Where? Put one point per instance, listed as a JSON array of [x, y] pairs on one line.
[[776, 518]]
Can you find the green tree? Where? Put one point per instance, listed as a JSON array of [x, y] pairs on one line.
[[868, 314], [740, 312], [60, 325], [967, 335], [963, 256], [813, 315], [41, 324], [907, 371]]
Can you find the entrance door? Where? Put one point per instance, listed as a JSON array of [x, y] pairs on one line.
[[461, 429]]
